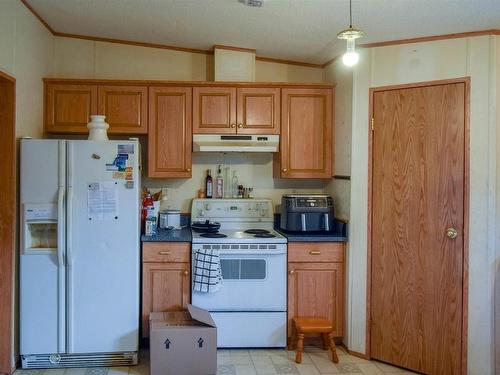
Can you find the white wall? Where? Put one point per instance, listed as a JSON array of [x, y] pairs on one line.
[[233, 66], [340, 75], [253, 170], [401, 64], [26, 51], [273, 72], [78, 58]]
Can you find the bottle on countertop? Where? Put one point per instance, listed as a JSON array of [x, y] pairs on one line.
[[240, 191], [227, 183], [150, 226], [147, 208], [209, 184], [234, 185], [219, 185]]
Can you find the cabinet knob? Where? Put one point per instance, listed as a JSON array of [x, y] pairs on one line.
[[188, 169], [186, 272], [233, 125], [240, 125], [285, 170], [291, 272]]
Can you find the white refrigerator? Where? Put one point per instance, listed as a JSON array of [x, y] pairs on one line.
[[79, 253]]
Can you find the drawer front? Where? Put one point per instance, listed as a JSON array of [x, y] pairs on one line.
[[166, 252], [315, 252]]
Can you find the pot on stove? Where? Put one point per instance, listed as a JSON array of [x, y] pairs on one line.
[[206, 226]]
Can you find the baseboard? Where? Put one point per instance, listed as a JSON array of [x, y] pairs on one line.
[[357, 354]]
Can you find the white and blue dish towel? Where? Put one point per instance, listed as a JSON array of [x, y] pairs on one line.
[[207, 273]]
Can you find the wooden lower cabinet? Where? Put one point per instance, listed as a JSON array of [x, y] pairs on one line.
[[166, 285], [316, 288]]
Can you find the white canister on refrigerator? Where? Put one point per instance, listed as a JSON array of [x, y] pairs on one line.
[[170, 218]]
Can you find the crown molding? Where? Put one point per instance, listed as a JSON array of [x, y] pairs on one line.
[[30, 8], [233, 48], [134, 43]]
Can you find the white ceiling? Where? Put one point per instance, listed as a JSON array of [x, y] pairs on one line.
[[302, 30]]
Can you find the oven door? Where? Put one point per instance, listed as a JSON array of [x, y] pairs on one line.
[[252, 281]]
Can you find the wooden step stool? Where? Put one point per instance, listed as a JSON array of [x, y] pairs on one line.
[[306, 325]]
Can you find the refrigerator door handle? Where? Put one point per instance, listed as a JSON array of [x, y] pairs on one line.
[[60, 227], [69, 252], [61, 277], [69, 261]]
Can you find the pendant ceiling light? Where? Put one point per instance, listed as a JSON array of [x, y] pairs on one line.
[[350, 57]]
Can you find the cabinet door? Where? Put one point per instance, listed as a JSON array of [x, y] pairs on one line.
[[306, 134], [68, 107], [214, 110], [165, 287], [170, 133], [258, 110], [125, 107], [316, 289]]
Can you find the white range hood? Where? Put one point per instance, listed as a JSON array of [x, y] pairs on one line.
[[235, 143]]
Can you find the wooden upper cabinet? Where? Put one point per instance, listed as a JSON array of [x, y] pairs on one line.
[[214, 110], [170, 132], [306, 134], [258, 110], [125, 107], [68, 107]]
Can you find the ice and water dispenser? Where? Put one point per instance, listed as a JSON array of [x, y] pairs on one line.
[[40, 228]]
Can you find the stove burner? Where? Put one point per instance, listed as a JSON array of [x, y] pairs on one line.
[[258, 231], [264, 235], [213, 235]]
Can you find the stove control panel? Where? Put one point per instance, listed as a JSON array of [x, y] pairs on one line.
[[220, 209]]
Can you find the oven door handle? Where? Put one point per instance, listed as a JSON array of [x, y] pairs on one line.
[[253, 253]]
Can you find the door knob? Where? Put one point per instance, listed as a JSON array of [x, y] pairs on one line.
[[451, 233]]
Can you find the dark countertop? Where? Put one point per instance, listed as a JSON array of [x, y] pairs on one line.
[[174, 235], [339, 234], [315, 237]]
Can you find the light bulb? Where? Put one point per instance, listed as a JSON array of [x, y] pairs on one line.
[[351, 57]]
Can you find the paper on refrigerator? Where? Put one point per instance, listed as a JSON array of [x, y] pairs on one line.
[[102, 201]]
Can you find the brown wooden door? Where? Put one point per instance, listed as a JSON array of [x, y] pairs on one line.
[[68, 107], [417, 193], [306, 133], [169, 135], [316, 289], [214, 110], [125, 107], [8, 194], [258, 110], [165, 287]]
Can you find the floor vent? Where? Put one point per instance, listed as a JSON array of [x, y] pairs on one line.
[[78, 360]]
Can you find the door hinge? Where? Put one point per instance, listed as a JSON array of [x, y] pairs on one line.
[[372, 123]]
